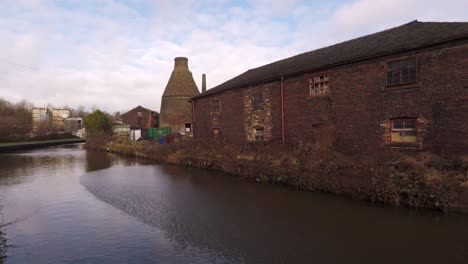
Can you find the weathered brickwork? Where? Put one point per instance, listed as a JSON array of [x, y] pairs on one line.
[[260, 114], [176, 110], [140, 117], [206, 120], [359, 105]]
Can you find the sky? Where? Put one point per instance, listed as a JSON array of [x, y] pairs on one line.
[[118, 54]]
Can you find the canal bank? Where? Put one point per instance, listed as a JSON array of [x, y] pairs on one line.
[[38, 144], [83, 206], [393, 178]]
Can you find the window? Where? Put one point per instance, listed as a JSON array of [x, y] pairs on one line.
[[318, 85], [215, 106], [257, 100], [401, 72], [188, 127], [216, 132], [139, 114], [404, 130], [259, 134]]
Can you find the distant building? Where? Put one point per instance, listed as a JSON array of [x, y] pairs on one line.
[[72, 125], [404, 87], [140, 117], [176, 110], [56, 117]]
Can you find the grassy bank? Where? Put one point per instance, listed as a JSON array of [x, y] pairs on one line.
[[37, 144], [421, 180]]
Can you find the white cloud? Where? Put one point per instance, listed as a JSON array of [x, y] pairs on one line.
[[117, 56]]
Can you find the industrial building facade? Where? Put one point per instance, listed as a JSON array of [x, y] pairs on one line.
[[405, 87], [140, 117], [176, 110]]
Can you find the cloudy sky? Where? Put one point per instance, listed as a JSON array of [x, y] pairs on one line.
[[117, 54]]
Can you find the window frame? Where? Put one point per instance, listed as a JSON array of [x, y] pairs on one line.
[[259, 138], [399, 60], [404, 129], [310, 83]]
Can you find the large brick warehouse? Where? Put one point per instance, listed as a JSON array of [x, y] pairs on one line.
[[405, 87]]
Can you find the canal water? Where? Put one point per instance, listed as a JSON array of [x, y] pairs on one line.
[[78, 206]]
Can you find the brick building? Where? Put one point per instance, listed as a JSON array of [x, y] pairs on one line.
[[140, 117], [176, 110], [405, 87]]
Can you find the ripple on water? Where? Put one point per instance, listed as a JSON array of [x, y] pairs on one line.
[[211, 216]]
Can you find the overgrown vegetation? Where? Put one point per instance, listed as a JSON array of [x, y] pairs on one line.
[[16, 123], [15, 120], [422, 180], [97, 122]]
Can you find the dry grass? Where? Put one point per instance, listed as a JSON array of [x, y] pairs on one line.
[[394, 178]]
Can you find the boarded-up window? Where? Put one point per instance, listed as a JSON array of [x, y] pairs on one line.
[[404, 130], [318, 85], [257, 100], [259, 134], [401, 72]]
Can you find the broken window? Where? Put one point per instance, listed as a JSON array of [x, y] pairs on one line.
[[318, 85], [403, 130], [188, 127], [257, 100], [401, 72], [215, 106], [259, 134]]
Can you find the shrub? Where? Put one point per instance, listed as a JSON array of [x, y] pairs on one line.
[[97, 122]]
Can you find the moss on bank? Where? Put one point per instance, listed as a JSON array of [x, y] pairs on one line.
[[420, 180]]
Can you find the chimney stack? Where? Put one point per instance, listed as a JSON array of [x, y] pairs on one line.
[[181, 62], [203, 83]]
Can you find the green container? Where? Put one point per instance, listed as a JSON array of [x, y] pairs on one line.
[[164, 131], [153, 133]]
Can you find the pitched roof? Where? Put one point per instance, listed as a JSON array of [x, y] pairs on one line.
[[140, 109], [407, 36]]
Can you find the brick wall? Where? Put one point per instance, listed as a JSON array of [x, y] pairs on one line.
[[229, 119], [359, 105], [134, 120], [176, 111]]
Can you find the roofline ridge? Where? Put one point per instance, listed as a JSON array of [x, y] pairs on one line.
[[339, 43], [413, 22]]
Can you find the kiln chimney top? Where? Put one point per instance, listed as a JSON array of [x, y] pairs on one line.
[[181, 62]]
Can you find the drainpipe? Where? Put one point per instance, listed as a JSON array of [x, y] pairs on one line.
[[193, 115], [193, 111], [282, 109]]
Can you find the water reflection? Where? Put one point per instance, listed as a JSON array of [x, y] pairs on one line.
[[20, 167], [95, 207], [238, 221], [95, 160]]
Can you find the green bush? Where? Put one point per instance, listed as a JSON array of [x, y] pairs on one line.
[[97, 122]]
